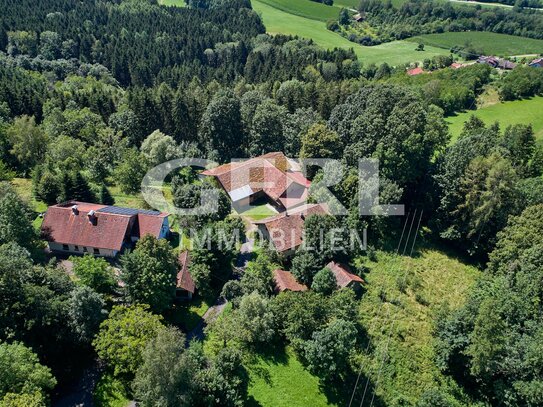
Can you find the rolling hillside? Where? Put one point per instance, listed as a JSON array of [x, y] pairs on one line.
[[394, 53], [490, 43], [506, 113]]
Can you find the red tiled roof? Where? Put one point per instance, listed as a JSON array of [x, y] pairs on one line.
[[184, 279], [150, 224], [271, 173], [108, 231], [285, 281], [343, 276], [286, 229], [415, 71]]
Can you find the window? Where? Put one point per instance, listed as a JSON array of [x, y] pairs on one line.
[[76, 248], [96, 251], [84, 250], [65, 247]]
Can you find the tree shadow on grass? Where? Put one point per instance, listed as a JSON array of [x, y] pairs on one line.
[[340, 393]]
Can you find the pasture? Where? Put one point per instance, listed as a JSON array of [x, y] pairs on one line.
[[394, 53], [507, 113], [305, 8], [490, 43]]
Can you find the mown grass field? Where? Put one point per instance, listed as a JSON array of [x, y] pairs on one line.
[[394, 53], [507, 113], [490, 43], [398, 312]]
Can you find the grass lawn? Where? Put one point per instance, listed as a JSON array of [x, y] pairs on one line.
[[110, 392], [491, 43], [126, 200], [187, 315], [506, 113], [259, 212], [394, 53], [23, 187], [280, 380], [398, 311]]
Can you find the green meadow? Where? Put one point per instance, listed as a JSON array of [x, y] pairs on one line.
[[490, 43], [305, 8], [177, 3], [398, 312], [527, 111], [278, 21], [280, 380]]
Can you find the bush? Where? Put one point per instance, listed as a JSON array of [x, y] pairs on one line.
[[324, 282]]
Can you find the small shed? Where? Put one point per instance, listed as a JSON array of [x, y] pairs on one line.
[[185, 284], [285, 281]]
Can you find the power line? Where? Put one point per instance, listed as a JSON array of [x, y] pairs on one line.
[[375, 319]]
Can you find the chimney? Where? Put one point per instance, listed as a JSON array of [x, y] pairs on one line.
[[92, 216], [75, 210]]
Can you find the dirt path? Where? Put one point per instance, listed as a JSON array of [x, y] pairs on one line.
[[211, 314]]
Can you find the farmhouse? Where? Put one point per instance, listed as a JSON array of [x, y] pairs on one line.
[[537, 63], [359, 17], [458, 65], [81, 227], [496, 62], [492, 61], [415, 71], [344, 277], [285, 281], [185, 284], [285, 231], [271, 177]]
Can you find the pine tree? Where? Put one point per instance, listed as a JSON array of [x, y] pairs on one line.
[[81, 189], [105, 197]]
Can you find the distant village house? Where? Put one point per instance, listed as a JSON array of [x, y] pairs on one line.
[[415, 71], [496, 62]]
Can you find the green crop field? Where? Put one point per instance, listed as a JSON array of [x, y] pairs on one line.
[[305, 8], [490, 43], [507, 113], [394, 53]]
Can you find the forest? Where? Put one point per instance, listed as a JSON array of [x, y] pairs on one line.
[[93, 94]]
